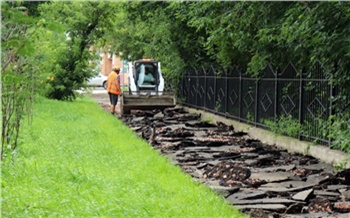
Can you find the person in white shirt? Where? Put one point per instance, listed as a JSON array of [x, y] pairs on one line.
[[148, 78]]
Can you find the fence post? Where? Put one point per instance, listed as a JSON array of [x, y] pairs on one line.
[[189, 87], [301, 101], [331, 112], [275, 115], [333, 92], [226, 93], [215, 81], [196, 85], [184, 78], [256, 115], [205, 87], [190, 78], [240, 96]]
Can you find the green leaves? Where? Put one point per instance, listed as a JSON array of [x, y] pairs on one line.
[[19, 75], [83, 25]]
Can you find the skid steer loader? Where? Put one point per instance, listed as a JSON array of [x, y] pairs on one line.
[[146, 88]]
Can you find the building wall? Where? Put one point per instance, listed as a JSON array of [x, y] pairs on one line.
[[107, 64]]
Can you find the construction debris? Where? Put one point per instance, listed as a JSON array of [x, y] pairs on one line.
[[261, 180]]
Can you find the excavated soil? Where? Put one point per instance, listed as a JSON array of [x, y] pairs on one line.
[[261, 180]]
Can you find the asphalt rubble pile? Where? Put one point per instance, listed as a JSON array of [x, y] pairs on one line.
[[261, 180]]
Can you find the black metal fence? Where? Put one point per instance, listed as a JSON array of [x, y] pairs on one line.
[[305, 97]]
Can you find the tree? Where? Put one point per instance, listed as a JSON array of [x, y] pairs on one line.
[[156, 30], [20, 75], [85, 23]]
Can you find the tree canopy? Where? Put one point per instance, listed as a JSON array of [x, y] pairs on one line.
[[189, 34], [244, 34]]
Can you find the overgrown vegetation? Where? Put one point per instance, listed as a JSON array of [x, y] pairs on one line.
[[84, 24], [75, 161], [245, 34], [284, 125], [338, 130], [20, 71]]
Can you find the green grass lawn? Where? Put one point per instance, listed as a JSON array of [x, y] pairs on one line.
[[76, 160]]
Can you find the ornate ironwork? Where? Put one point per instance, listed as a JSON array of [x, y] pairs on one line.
[[266, 102], [305, 95], [287, 105], [233, 97], [248, 100]]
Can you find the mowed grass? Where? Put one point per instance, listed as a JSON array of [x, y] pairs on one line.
[[76, 160]]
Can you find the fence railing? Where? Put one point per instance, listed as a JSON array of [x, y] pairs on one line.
[[304, 97]]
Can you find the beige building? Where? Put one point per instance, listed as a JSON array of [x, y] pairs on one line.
[[108, 61]]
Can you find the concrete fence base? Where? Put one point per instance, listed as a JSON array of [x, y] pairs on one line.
[[323, 153]]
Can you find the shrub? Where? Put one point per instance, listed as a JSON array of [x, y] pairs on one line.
[[284, 125]]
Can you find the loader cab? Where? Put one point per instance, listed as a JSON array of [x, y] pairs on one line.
[[146, 75], [140, 74]]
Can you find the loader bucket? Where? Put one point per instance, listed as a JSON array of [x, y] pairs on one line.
[[136, 101]]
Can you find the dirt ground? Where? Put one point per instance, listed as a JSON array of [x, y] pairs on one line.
[[101, 97]]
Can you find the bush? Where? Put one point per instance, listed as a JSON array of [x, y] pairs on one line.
[[339, 132], [284, 125], [69, 75]]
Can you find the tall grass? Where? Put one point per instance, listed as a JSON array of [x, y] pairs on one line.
[[76, 160]]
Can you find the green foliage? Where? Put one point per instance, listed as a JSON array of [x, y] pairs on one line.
[[244, 34], [76, 160], [250, 117], [339, 132], [145, 30], [208, 120], [284, 125], [19, 70], [336, 128], [340, 166], [218, 106], [84, 24], [191, 34]]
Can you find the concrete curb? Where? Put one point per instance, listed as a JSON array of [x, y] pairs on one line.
[[293, 145]]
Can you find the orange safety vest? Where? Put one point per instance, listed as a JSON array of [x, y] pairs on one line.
[[113, 83]]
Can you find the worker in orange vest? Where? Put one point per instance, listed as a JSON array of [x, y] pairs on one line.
[[113, 87]]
